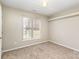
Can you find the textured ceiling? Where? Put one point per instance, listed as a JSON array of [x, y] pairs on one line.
[[36, 6]]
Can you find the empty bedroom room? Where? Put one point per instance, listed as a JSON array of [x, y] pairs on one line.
[[39, 29]]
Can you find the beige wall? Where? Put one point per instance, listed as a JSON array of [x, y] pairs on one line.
[[65, 32], [12, 28], [0, 21], [0, 29]]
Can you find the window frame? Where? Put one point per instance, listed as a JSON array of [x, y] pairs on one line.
[[25, 39]]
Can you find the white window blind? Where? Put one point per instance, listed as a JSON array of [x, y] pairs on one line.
[[31, 29]]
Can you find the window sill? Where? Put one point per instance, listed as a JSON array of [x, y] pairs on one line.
[[29, 39]]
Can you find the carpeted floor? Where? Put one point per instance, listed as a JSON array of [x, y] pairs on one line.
[[42, 51]]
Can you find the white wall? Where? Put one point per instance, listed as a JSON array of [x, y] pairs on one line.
[[65, 32], [12, 28]]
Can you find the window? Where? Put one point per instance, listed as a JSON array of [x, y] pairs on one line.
[[31, 29]]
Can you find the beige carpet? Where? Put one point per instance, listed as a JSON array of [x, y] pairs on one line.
[[42, 51]]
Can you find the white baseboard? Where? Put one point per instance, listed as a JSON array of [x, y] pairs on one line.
[[25, 46], [64, 46], [39, 43]]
